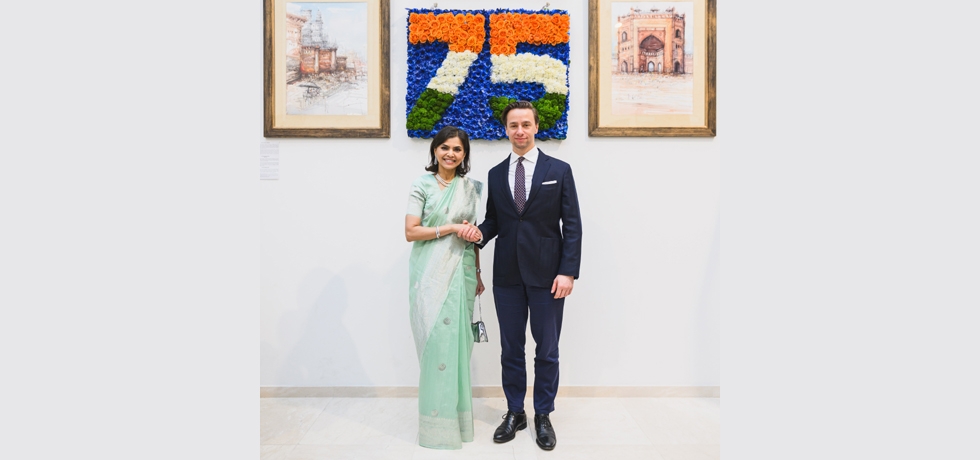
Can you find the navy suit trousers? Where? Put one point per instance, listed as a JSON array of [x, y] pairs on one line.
[[514, 306]]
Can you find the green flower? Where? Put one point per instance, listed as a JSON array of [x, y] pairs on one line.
[[428, 109], [498, 104], [550, 108]]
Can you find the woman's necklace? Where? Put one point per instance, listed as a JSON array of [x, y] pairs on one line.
[[444, 182]]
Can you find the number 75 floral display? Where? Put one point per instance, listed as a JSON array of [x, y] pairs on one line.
[[464, 67]]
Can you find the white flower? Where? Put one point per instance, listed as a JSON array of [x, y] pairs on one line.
[[453, 71], [530, 68]]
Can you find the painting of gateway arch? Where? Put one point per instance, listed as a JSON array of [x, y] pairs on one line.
[[653, 58]]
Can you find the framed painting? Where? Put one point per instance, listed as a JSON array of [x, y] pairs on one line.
[[652, 68], [326, 68]]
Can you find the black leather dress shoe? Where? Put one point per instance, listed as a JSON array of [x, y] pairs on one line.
[[544, 433], [513, 422]]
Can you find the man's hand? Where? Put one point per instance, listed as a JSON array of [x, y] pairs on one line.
[[470, 232], [562, 287]]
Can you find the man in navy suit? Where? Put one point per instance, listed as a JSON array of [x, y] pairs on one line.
[[532, 209]]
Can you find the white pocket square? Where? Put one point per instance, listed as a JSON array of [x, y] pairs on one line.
[[549, 182]]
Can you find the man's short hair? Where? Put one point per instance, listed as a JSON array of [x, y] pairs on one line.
[[518, 105]]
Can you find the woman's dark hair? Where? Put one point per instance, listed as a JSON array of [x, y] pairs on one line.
[[442, 136]]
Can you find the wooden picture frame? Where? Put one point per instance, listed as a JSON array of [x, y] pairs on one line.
[[326, 68], [663, 82]]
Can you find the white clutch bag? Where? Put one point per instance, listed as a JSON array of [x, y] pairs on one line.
[[480, 329]]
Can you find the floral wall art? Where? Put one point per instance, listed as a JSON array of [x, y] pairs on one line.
[[464, 67]]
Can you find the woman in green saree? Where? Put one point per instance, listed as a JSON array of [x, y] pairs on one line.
[[444, 278]]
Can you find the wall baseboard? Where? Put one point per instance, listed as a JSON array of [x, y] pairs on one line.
[[494, 392]]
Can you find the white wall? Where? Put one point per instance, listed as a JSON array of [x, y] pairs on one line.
[[334, 261]]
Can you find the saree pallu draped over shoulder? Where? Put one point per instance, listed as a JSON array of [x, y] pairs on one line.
[[442, 288]]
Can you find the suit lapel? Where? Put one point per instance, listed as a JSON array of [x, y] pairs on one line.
[[503, 185], [540, 170]]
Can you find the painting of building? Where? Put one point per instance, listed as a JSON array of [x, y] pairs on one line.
[[294, 38], [322, 40], [653, 60], [651, 40], [318, 54]]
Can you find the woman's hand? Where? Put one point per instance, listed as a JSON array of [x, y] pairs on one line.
[[479, 285], [469, 232]]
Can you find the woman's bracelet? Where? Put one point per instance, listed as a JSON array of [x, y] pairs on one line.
[[437, 233]]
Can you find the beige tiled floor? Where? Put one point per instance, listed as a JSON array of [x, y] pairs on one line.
[[587, 428]]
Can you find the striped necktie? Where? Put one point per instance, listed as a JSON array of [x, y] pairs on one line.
[[520, 197]]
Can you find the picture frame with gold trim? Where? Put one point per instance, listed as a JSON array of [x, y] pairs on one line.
[[652, 68], [326, 68]]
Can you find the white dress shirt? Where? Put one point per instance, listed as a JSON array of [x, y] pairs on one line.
[[530, 159]]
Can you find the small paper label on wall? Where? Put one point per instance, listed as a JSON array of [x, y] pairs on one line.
[[268, 161]]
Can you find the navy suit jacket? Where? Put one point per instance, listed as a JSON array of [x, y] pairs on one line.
[[546, 239]]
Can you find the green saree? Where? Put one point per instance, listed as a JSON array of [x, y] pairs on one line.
[[442, 287]]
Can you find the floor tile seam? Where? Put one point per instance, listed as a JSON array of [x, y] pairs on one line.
[[293, 410], [660, 451], [388, 441], [288, 452], [674, 418], [685, 444], [307, 432], [357, 448], [646, 436], [700, 447]]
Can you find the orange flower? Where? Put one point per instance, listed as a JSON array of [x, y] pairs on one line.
[[461, 32], [509, 29]]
